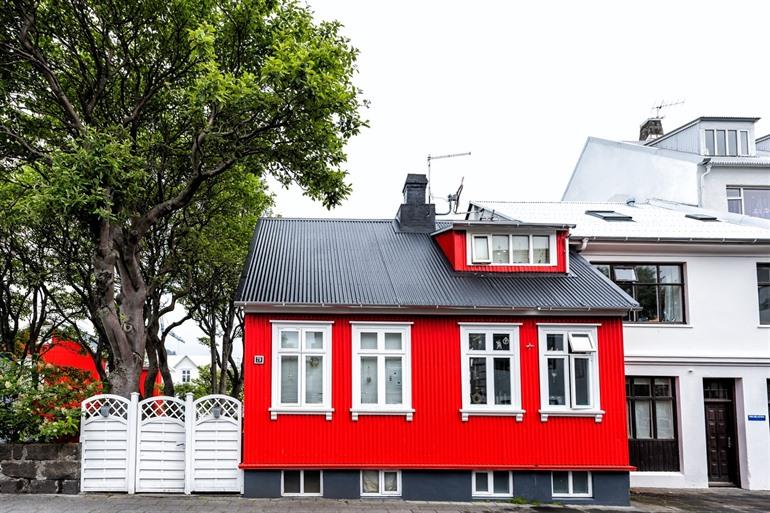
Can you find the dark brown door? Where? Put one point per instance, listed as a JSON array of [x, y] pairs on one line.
[[720, 431]]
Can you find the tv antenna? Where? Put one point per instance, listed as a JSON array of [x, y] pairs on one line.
[[438, 157], [663, 104]]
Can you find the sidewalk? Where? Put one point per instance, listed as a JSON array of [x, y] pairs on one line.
[[648, 501]]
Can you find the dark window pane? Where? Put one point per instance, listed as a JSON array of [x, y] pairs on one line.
[[556, 381], [560, 482], [582, 382], [554, 342], [721, 142], [646, 274], [756, 202], [478, 377], [580, 482], [732, 142], [642, 387], [709, 142], [502, 381], [670, 274], [604, 269], [763, 274], [501, 482], [671, 304], [312, 481], [291, 481], [501, 342], [764, 304], [734, 206], [477, 341], [663, 387], [646, 295], [482, 482]]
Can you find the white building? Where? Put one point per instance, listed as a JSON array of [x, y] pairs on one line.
[[186, 367], [698, 353], [711, 162]]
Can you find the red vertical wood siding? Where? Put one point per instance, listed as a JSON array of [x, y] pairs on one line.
[[453, 244], [437, 437]]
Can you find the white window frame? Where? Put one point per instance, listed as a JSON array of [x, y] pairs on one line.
[[381, 478], [186, 375], [571, 493], [569, 409], [302, 484], [301, 408], [491, 483], [514, 409], [473, 260], [740, 151], [405, 353]]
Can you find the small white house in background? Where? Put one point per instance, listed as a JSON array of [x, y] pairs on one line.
[[712, 162], [698, 353], [186, 367]]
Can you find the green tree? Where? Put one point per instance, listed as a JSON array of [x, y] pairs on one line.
[[115, 116]]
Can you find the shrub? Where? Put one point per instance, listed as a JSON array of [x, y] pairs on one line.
[[41, 402]]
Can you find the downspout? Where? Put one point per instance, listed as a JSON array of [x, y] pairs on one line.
[[707, 163]]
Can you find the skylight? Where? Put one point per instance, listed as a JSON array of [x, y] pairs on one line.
[[609, 215], [702, 217]]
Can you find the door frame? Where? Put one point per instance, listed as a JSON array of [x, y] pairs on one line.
[[734, 477]]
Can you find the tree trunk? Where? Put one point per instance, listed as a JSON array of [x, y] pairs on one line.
[[152, 369], [124, 329]]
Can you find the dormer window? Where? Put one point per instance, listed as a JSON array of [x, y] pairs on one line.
[[729, 143], [505, 249]]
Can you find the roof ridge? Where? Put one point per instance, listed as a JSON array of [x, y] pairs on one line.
[[327, 219]]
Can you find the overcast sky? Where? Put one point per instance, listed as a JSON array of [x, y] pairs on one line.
[[522, 84]]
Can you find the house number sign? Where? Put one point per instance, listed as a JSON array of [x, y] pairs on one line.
[[259, 359], [759, 418]]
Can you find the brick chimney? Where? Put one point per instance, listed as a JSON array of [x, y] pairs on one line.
[[651, 129], [415, 215]]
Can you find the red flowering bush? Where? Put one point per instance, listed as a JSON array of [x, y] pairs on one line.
[[40, 402]]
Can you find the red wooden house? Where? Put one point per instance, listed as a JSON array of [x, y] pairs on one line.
[[427, 360]]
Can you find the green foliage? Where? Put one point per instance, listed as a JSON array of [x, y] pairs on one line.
[[41, 402]]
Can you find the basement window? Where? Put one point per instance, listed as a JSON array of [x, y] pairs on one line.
[[301, 482], [609, 215], [571, 484], [380, 483], [492, 484]]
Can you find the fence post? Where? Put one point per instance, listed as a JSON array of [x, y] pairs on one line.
[[133, 428], [189, 425]]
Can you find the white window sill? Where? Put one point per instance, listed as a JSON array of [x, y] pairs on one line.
[[274, 412], [405, 412], [489, 496], [465, 413], [381, 495], [656, 325], [596, 414], [572, 496], [763, 326]]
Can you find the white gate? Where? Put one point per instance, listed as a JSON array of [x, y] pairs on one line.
[[216, 445], [161, 444], [106, 446], [161, 439]]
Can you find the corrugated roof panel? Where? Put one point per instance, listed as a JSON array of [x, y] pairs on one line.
[[369, 263]]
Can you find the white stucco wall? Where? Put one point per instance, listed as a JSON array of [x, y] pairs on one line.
[[722, 338], [716, 182], [608, 170]]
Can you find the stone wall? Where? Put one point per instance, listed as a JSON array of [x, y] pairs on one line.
[[40, 468]]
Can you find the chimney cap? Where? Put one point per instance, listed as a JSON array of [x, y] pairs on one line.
[[415, 179]]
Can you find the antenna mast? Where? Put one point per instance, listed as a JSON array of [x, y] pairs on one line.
[[438, 157], [662, 105]]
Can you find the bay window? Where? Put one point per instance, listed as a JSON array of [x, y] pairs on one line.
[[504, 249], [301, 368], [569, 373], [490, 370], [382, 374]]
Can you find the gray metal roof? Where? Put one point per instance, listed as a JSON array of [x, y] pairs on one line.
[[335, 262]]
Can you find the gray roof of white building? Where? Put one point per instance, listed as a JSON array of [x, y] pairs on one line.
[[649, 222], [368, 263]]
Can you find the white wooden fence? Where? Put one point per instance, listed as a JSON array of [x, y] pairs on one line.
[[161, 444]]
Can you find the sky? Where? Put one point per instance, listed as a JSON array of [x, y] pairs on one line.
[[521, 85]]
